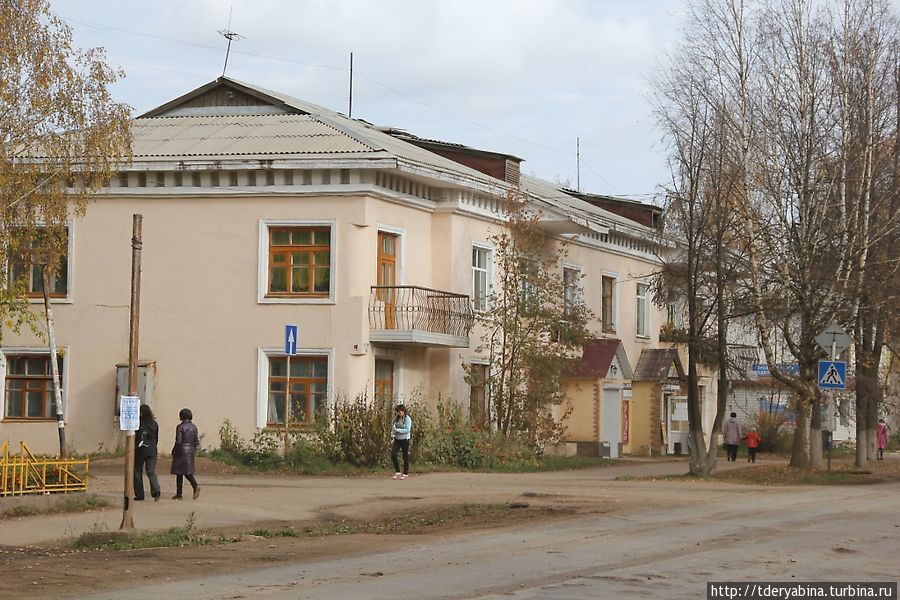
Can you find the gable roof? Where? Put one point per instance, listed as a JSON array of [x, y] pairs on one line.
[[655, 364], [597, 356]]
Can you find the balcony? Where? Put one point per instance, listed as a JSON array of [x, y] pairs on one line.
[[416, 316]]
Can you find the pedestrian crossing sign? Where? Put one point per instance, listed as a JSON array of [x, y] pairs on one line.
[[832, 375]]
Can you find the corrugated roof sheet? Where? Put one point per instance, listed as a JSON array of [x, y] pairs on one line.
[[239, 135]]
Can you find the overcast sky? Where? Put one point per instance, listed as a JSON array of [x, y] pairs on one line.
[[523, 77]]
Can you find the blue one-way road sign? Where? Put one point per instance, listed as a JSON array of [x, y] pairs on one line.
[[832, 375], [290, 340]]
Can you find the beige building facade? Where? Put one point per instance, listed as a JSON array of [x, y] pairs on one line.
[[261, 211]]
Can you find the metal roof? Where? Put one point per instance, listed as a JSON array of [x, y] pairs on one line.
[[239, 135]]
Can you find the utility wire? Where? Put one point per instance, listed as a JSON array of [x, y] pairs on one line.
[[404, 95]]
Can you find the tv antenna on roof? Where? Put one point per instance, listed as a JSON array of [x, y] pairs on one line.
[[230, 36]]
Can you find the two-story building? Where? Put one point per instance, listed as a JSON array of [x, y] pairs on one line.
[[261, 210]]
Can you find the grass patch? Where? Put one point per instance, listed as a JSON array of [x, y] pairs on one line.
[[70, 504], [321, 466], [409, 523], [187, 535], [843, 472]]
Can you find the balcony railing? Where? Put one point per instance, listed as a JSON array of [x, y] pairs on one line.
[[407, 314]]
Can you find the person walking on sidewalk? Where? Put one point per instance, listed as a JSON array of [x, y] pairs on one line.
[[881, 436], [732, 436], [145, 454], [187, 438], [400, 433], [752, 444]]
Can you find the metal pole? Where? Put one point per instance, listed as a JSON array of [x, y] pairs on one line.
[[831, 403], [350, 104], [287, 406], [136, 245]]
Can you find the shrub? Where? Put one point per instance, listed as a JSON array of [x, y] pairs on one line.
[[260, 451], [360, 431], [451, 441], [772, 431]]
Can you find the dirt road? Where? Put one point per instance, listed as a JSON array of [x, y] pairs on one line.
[[607, 538]]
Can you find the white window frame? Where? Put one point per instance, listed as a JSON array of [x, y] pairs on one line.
[[62, 351], [488, 275], [578, 282], [262, 377], [262, 276], [642, 309]]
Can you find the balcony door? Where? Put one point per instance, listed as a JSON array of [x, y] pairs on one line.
[[387, 276]]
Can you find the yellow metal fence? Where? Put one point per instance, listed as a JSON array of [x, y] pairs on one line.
[[24, 473]]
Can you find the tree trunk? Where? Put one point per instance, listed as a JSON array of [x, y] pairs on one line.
[[800, 449], [815, 432], [54, 367], [700, 464]]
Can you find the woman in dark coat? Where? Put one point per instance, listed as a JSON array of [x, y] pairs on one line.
[[187, 438], [145, 454]]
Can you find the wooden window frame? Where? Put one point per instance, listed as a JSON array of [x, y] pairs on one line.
[[44, 381], [289, 250], [381, 385], [310, 413], [479, 395], [608, 304]]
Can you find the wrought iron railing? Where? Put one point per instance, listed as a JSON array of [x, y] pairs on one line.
[[413, 308]]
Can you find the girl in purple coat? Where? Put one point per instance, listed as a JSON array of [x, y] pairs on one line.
[[187, 438]]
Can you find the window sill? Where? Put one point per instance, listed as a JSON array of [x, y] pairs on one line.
[[642, 338], [53, 300], [296, 300], [28, 420]]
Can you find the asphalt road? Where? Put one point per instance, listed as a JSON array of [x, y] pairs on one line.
[[801, 534]]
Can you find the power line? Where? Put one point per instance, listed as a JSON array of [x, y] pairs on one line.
[[361, 75]]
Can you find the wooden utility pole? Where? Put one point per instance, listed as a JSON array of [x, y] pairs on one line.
[[136, 245]]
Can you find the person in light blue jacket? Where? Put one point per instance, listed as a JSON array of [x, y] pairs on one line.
[[401, 432]]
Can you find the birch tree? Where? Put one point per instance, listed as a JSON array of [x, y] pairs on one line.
[[61, 138]]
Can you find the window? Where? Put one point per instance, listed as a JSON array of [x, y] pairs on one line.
[[29, 387], [643, 310], [481, 258], [607, 304], [308, 385], [478, 394], [384, 379], [299, 262], [24, 266]]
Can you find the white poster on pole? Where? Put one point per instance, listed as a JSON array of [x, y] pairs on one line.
[[129, 413]]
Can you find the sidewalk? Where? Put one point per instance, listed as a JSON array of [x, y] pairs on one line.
[[242, 500]]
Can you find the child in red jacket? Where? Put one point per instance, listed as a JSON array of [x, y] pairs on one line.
[[752, 444]]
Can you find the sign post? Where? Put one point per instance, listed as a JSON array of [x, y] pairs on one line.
[[291, 332], [833, 373]]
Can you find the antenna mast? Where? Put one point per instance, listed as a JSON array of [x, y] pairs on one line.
[[230, 36], [578, 164], [350, 109]]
